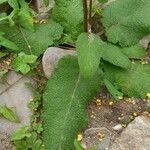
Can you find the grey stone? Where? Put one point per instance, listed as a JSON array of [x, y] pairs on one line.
[[147, 106], [5, 142], [91, 138], [15, 94], [42, 8], [135, 137], [118, 127], [52, 56], [144, 42]]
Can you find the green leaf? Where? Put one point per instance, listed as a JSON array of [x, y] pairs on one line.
[[20, 133], [21, 145], [77, 145], [8, 44], [69, 14], [21, 63], [25, 17], [37, 127], [134, 82], [127, 21], [136, 51], [3, 54], [38, 145], [13, 3], [32, 139], [8, 114], [102, 1], [3, 72], [89, 54], [65, 100], [34, 42], [46, 2], [113, 54], [3, 1], [113, 91]]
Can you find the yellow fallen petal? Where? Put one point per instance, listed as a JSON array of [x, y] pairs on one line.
[[120, 97], [111, 103], [148, 95], [79, 137]]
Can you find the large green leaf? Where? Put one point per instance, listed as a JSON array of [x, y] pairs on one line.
[[136, 51], [65, 99], [34, 42], [91, 48], [89, 54], [134, 82], [127, 21], [70, 14], [114, 55]]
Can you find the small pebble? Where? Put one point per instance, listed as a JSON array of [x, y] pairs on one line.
[[118, 127]]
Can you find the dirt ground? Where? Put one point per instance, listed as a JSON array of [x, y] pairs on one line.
[[105, 112]]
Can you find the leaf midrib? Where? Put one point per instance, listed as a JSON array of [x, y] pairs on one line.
[[68, 111]]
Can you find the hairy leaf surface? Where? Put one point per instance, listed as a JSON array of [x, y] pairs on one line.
[[34, 42], [134, 82], [70, 14], [89, 54], [127, 21], [65, 99], [113, 54], [136, 51]]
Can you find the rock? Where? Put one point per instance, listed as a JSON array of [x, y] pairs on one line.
[[118, 127], [147, 107], [41, 8], [98, 138], [51, 57], [144, 42], [135, 137], [5, 142], [14, 94]]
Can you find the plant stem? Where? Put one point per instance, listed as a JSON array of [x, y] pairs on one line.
[[87, 8], [90, 16], [85, 11]]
